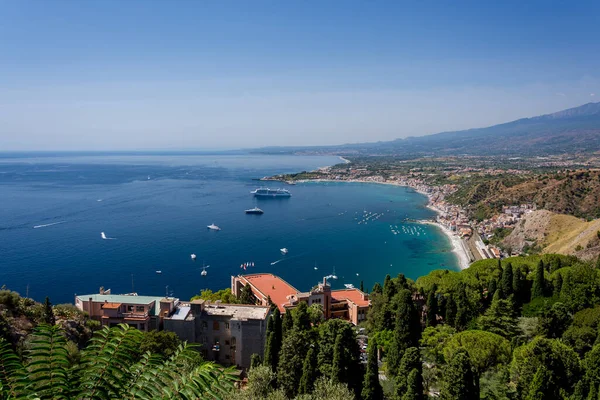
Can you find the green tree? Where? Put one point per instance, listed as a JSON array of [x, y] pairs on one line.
[[48, 312], [561, 361], [507, 280], [555, 321], [377, 289], [411, 361], [414, 386], [450, 311], [287, 323], [459, 380], [160, 342], [389, 288], [407, 331], [500, 318], [301, 317], [291, 359], [270, 355], [539, 388], [432, 307], [316, 314], [485, 349], [519, 287], [566, 290], [326, 389], [539, 282], [246, 295], [371, 387], [309, 372], [598, 262], [278, 334], [109, 369], [255, 361], [557, 285], [362, 286]]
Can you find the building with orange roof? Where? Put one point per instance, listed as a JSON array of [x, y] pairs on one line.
[[348, 304]]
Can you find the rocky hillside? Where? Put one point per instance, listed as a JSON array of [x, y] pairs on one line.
[[557, 233], [574, 193]]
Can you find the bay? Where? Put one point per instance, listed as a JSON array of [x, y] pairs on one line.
[[156, 207]]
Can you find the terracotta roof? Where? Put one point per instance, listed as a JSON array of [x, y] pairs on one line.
[[111, 306], [353, 295], [273, 286]]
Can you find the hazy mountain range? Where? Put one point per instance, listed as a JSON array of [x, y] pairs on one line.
[[575, 130]]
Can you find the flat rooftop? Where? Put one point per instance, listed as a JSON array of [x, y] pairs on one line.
[[240, 312], [272, 286], [124, 299], [353, 295]]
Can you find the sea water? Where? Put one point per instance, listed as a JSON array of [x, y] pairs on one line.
[[71, 223]]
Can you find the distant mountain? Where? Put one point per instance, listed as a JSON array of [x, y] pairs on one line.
[[575, 130]]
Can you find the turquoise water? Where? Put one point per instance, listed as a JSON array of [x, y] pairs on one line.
[[157, 207]]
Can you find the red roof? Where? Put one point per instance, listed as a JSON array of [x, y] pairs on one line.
[[353, 295], [273, 286]]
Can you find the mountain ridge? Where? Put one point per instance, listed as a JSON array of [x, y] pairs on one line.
[[573, 130]]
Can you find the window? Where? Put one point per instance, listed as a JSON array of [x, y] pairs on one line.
[[216, 340], [233, 340], [204, 324], [227, 343], [139, 308], [226, 325], [129, 308], [227, 356], [215, 325]]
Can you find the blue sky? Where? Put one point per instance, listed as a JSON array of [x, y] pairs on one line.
[[111, 75]]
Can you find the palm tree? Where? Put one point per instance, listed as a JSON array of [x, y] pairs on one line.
[[111, 368]]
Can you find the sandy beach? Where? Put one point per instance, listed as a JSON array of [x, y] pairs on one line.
[[458, 245]]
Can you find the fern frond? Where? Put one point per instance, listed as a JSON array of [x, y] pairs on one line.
[[107, 360], [12, 373], [48, 364]]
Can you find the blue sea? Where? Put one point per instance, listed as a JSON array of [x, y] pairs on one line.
[[154, 210]]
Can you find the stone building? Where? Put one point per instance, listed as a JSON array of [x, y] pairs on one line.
[[229, 333]]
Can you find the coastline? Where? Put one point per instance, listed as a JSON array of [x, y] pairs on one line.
[[458, 246]]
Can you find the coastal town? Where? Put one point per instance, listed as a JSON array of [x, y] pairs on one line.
[[472, 239]]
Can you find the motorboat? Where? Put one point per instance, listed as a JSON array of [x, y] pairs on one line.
[[213, 227], [193, 257], [284, 251], [159, 272], [349, 286], [204, 273], [254, 210]]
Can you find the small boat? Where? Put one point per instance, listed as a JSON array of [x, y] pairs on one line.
[[193, 256], [284, 251], [349, 286], [203, 273], [159, 272], [213, 227], [254, 210]]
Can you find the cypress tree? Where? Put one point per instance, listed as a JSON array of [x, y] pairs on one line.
[[598, 262], [287, 323], [566, 290], [337, 367], [309, 372], [459, 381], [362, 286], [48, 312], [411, 361], [377, 289], [507, 280], [557, 285], [301, 317], [246, 296], [450, 311], [462, 309], [254, 361], [432, 307], [277, 331], [414, 386], [492, 287], [519, 286], [372, 389], [402, 283], [539, 283], [389, 289], [270, 352], [406, 332]]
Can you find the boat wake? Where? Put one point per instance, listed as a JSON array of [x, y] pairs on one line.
[[103, 235], [45, 225], [275, 262]]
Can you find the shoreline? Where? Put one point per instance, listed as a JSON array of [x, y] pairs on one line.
[[458, 246]]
